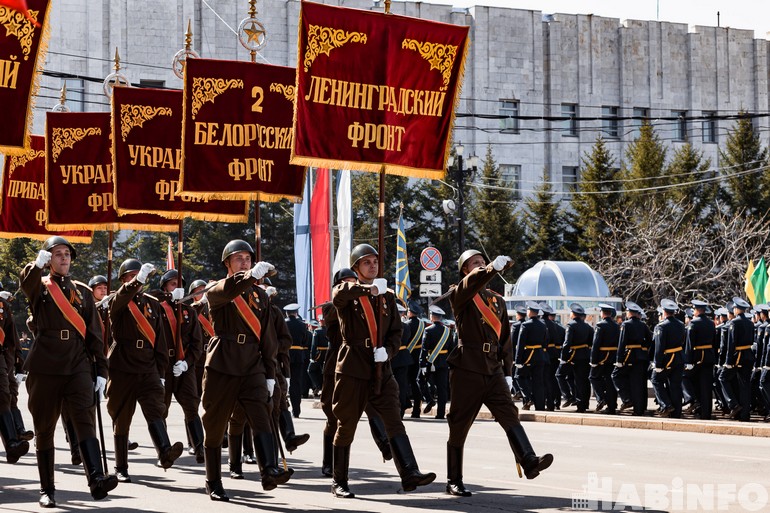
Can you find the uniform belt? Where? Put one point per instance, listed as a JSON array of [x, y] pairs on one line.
[[581, 346], [417, 347], [443, 351], [61, 334], [742, 348], [366, 342], [402, 348], [297, 347], [608, 349], [533, 347], [240, 338], [635, 346], [321, 348], [554, 346], [672, 350], [696, 348]]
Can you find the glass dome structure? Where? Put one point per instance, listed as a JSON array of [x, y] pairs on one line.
[[550, 278]]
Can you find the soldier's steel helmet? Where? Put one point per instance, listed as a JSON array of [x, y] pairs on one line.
[[97, 280], [467, 254], [343, 273], [51, 242], [129, 265], [169, 275], [194, 285], [235, 246], [360, 252]]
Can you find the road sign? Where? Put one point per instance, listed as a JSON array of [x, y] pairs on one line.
[[430, 259], [430, 276], [430, 290]]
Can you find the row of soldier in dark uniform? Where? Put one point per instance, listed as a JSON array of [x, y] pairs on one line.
[[688, 363], [227, 353]]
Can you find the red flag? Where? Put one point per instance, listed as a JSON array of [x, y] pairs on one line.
[[170, 256], [21, 6], [321, 237]]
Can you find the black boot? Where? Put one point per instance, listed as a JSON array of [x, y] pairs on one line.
[[248, 446], [98, 483], [21, 432], [72, 439], [525, 455], [45, 470], [326, 466], [272, 475], [286, 424], [213, 459], [167, 453], [406, 463], [132, 446], [454, 472], [14, 448], [121, 459], [195, 430], [234, 446], [377, 428], [341, 456]]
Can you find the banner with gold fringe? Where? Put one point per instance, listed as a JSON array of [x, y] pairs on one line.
[[79, 168], [376, 90], [237, 131], [22, 213], [147, 159], [22, 54]]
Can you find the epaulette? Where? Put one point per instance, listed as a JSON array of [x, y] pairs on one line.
[[150, 297], [81, 284], [494, 292]]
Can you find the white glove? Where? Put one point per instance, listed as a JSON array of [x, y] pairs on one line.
[[432, 368], [288, 383], [689, 366], [379, 286], [423, 370], [271, 291], [144, 273], [43, 257], [19, 378], [270, 387], [261, 269], [618, 364], [380, 354], [5, 295], [509, 382], [728, 366], [763, 368], [179, 367], [519, 365], [593, 365], [500, 262], [177, 294], [562, 361], [658, 369], [163, 382], [100, 385]]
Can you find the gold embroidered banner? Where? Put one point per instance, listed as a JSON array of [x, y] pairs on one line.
[[22, 54], [147, 159], [79, 168], [22, 213], [237, 131], [376, 90]]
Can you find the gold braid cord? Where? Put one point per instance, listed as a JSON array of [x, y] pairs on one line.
[[132, 116], [21, 160], [440, 57], [67, 137], [324, 39], [17, 25], [207, 89], [289, 91]]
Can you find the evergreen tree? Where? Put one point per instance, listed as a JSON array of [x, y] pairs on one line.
[[687, 166], [544, 221], [743, 190], [643, 168]]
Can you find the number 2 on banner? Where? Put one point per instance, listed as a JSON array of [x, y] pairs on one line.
[[258, 93]]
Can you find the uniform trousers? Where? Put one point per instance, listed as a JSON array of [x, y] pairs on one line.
[[736, 387], [601, 379], [764, 386], [185, 389], [412, 378], [221, 392], [125, 390], [531, 381], [400, 374], [582, 368], [701, 379], [47, 394], [668, 388], [5, 386], [441, 379], [552, 391], [297, 386]]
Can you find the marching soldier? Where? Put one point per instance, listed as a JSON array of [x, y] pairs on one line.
[[318, 348], [575, 355], [758, 349], [699, 359], [725, 316], [521, 315], [67, 339], [14, 363], [669, 339], [401, 362], [530, 358], [138, 360], [739, 361], [436, 345], [15, 446], [764, 366], [363, 315], [240, 366], [555, 337], [416, 328], [603, 358], [630, 374], [481, 369], [301, 339]]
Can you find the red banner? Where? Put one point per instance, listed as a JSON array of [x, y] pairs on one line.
[[376, 90], [147, 158], [23, 200], [320, 235], [79, 168], [22, 54], [237, 131]]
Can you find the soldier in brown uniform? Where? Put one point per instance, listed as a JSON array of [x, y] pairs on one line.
[[361, 314], [138, 360], [68, 338], [15, 447], [481, 368], [14, 363], [240, 366], [183, 353]]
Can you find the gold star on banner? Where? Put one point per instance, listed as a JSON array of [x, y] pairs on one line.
[[325, 47], [254, 33], [435, 62], [12, 28]]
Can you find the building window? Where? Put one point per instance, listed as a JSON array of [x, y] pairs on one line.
[[709, 127], [510, 123], [610, 122], [76, 94], [641, 114], [569, 111], [569, 178], [511, 175], [680, 124]]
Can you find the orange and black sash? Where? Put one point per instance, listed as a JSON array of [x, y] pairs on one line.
[[488, 315], [248, 316], [371, 322], [206, 324], [2, 337], [174, 331], [142, 323], [65, 307]]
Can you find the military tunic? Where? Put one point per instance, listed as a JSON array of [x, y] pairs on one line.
[[435, 335], [669, 339], [630, 379], [576, 352], [699, 351], [603, 358]]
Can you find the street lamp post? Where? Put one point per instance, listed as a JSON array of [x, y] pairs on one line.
[[460, 175]]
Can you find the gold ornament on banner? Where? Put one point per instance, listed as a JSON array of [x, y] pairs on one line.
[[207, 89], [132, 116], [18, 26], [288, 91], [21, 160], [67, 137], [251, 32], [322, 40], [62, 105], [441, 57], [185, 53], [115, 78]]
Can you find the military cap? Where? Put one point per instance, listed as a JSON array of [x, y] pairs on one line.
[[449, 323], [344, 273], [52, 242], [576, 308], [401, 308], [669, 305], [194, 285], [546, 308], [129, 265], [605, 306], [96, 280], [414, 307], [533, 305], [633, 307], [762, 308], [741, 303], [722, 312], [236, 246], [435, 310], [697, 303], [751, 313], [729, 306], [520, 308], [171, 274], [689, 312], [467, 254], [313, 323], [291, 307], [659, 310], [360, 252]]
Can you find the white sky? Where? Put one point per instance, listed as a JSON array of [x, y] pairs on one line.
[[740, 14]]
